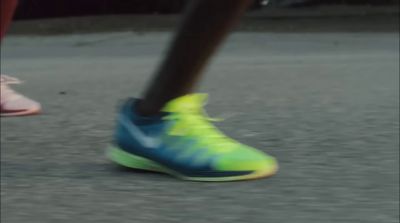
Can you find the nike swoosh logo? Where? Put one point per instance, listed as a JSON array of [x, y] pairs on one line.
[[139, 135]]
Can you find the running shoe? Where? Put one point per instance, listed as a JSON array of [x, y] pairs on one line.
[[183, 142], [13, 103]]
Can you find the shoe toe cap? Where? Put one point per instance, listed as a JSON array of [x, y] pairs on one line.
[[248, 160], [22, 104]]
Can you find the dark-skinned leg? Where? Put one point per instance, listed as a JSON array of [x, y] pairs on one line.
[[205, 25]]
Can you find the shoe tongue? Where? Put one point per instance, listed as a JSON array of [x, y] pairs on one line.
[[187, 103]]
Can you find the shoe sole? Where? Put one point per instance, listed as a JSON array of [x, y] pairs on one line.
[[126, 159], [22, 113]]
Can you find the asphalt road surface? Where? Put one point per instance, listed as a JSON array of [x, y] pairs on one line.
[[325, 104]]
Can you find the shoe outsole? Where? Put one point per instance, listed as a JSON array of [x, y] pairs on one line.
[[34, 111], [123, 158]]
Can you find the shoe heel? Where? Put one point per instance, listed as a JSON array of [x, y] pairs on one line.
[[126, 159]]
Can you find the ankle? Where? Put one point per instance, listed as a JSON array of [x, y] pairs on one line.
[[143, 108]]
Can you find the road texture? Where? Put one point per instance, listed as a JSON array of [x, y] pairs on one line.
[[325, 104]]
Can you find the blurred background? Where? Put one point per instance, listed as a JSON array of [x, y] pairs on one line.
[[86, 16], [41, 8]]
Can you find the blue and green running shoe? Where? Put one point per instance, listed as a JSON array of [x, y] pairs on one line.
[[183, 142]]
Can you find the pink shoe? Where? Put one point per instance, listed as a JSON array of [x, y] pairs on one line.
[[12, 103]]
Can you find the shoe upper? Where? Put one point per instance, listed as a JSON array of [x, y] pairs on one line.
[[183, 138]]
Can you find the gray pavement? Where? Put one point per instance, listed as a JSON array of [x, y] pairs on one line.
[[325, 104]]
